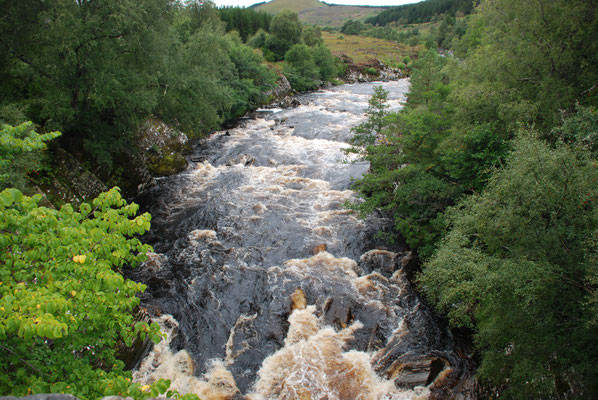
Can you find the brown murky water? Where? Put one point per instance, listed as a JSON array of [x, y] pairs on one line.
[[267, 286]]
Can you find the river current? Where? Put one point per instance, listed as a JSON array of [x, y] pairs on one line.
[[268, 287]]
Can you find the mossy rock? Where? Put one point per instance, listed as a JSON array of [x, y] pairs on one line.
[[169, 164]]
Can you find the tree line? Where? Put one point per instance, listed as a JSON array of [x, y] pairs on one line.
[[95, 70], [489, 174]]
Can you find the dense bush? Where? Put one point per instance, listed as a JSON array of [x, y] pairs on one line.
[[64, 306], [307, 67]]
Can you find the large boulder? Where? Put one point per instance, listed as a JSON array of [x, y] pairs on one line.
[[162, 148]]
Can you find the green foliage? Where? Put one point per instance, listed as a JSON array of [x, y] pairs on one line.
[[517, 258], [64, 305], [326, 63], [286, 31], [14, 143], [416, 184], [519, 266], [312, 36], [95, 71], [368, 132], [300, 68], [534, 59], [246, 21], [371, 71], [258, 40], [580, 128], [84, 67], [210, 76], [428, 81], [352, 27], [306, 67]]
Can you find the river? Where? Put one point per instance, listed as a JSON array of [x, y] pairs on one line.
[[268, 287]]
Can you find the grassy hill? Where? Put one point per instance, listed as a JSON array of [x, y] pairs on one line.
[[318, 13], [276, 6], [363, 49]]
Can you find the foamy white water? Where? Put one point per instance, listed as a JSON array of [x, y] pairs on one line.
[[275, 290]]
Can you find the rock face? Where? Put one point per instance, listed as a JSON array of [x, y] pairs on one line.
[[162, 148], [72, 182], [374, 70], [282, 94]]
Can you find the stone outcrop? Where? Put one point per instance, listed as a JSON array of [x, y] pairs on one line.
[[373, 70], [162, 147], [71, 181]]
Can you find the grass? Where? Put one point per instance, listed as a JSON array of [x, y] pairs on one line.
[[337, 15], [276, 6], [363, 49]]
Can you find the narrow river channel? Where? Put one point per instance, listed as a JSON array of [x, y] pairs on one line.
[[268, 287]]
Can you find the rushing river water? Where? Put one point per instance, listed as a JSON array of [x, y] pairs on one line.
[[268, 287]]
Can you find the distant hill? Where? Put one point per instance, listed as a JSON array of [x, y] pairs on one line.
[[421, 12], [319, 13], [276, 6]]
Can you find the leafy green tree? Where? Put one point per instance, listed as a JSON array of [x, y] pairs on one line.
[[286, 31], [209, 76], [15, 142], [246, 21], [251, 78], [367, 132], [412, 186], [534, 59], [258, 40], [86, 68], [352, 27], [300, 68], [312, 36], [428, 81], [64, 306], [580, 127], [326, 63], [519, 266]]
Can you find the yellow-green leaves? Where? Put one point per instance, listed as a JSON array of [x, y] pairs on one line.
[[63, 303]]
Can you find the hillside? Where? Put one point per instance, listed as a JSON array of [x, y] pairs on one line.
[[276, 6], [319, 13], [364, 49], [421, 12]]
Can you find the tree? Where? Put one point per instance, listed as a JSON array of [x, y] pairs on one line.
[[86, 68], [312, 36], [535, 59], [300, 68], [519, 266], [352, 27], [15, 142], [286, 31], [325, 62], [367, 132], [428, 81]]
